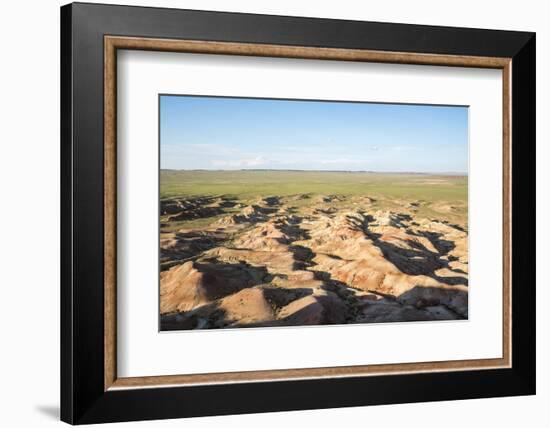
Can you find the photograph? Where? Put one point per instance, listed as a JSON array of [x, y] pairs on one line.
[[282, 212]]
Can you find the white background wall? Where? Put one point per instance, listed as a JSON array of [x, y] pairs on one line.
[[29, 215]]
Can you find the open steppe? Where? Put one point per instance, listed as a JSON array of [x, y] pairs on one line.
[[281, 248]]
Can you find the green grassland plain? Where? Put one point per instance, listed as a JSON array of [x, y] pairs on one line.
[[389, 190], [253, 183]]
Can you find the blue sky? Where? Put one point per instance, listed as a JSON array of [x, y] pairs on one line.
[[245, 133]]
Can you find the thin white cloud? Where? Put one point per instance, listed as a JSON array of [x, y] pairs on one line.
[[344, 161], [239, 163], [208, 149]]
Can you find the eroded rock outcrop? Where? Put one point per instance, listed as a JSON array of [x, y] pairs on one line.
[[334, 260]]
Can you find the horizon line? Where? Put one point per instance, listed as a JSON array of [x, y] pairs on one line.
[[319, 170]]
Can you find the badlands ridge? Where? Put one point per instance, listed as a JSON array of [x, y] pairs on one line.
[[309, 260]]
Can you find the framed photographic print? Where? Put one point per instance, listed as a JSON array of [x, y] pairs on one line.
[[277, 213]]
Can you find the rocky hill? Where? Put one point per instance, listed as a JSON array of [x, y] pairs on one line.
[[307, 260]]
